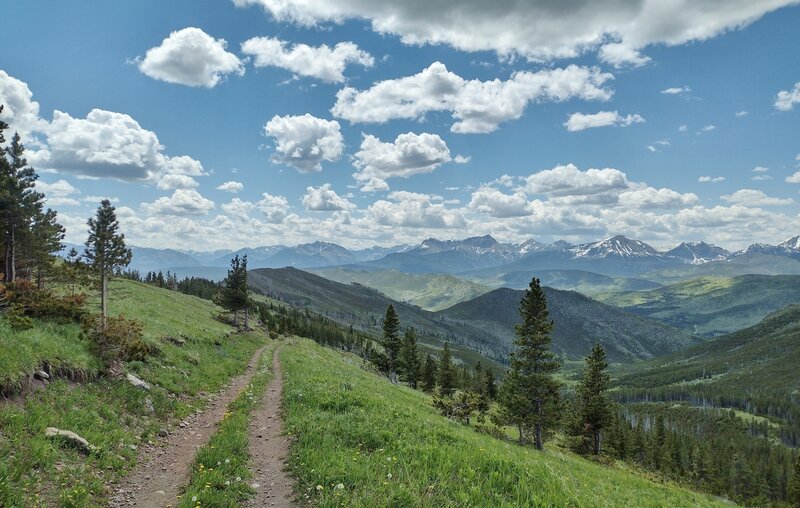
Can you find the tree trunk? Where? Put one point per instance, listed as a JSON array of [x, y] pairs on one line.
[[246, 318], [103, 298], [236, 317], [11, 256], [538, 426], [597, 442], [521, 435]]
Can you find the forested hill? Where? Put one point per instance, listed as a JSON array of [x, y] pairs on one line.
[[484, 324]]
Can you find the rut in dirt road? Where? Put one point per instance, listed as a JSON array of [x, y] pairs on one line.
[[163, 469], [269, 448]]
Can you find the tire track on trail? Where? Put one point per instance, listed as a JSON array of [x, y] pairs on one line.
[[163, 469], [269, 448]]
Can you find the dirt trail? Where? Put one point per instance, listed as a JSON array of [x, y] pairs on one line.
[[164, 468], [269, 447]]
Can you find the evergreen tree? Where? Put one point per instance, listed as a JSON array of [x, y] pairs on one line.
[[530, 394], [44, 242], [105, 250], [446, 375], [429, 374], [409, 362], [594, 408], [793, 490], [234, 295], [489, 385], [391, 340]]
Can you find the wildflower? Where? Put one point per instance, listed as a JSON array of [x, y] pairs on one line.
[[238, 478], [320, 488], [194, 498], [340, 486], [227, 461], [389, 476], [227, 482]]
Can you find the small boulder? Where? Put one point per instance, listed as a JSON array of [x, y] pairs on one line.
[[40, 374], [135, 381], [70, 437]]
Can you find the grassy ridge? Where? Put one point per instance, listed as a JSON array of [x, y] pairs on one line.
[[112, 415], [221, 470], [360, 441]]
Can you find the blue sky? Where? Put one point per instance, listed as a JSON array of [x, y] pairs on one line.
[[433, 108]]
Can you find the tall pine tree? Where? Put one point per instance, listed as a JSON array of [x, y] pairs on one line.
[[446, 373], [594, 408], [391, 340], [429, 373], [234, 295], [793, 490], [530, 395], [105, 250], [409, 362]]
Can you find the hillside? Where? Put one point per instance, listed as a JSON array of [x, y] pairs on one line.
[[740, 264], [484, 324], [433, 291], [588, 283], [367, 443], [579, 323], [712, 306], [194, 357]]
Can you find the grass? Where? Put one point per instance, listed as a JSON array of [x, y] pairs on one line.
[[221, 470], [360, 441], [111, 414]]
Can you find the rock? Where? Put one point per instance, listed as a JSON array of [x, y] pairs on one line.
[[178, 341], [71, 438], [162, 433], [135, 381], [148, 404], [40, 374], [255, 485]]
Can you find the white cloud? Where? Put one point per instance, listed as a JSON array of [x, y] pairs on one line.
[[238, 208], [190, 57], [536, 29], [495, 203], [183, 202], [20, 111], [476, 106], [683, 128], [649, 197], [410, 154], [325, 199], [108, 144], [621, 55], [711, 179], [741, 113], [408, 209], [321, 62], [58, 193], [304, 141], [753, 197], [795, 178], [580, 121], [759, 169], [461, 159], [175, 181], [568, 180], [786, 99], [231, 186], [676, 90], [274, 208]]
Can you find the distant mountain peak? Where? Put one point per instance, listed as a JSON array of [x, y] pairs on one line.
[[697, 253], [792, 243], [617, 246]]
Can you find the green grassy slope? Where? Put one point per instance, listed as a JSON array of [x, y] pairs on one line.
[[740, 265], [431, 291], [359, 441], [588, 283], [484, 324], [113, 415], [579, 323], [712, 305]]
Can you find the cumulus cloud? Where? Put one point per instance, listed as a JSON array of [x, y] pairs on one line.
[[536, 29], [238, 208], [321, 62], [409, 209], [711, 179], [190, 57], [274, 208], [20, 111], [231, 186], [580, 121], [106, 144], [621, 55], [676, 90], [58, 193], [176, 181], [568, 180], [786, 99], [753, 197], [649, 197], [476, 106], [304, 141], [183, 202], [410, 154], [495, 203], [325, 199], [795, 178]]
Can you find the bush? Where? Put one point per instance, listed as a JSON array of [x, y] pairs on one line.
[[121, 340], [40, 303]]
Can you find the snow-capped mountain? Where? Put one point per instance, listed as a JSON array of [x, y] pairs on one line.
[[531, 246], [615, 247], [474, 246], [698, 253], [788, 248], [792, 244]]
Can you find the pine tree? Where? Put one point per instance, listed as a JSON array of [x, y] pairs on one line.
[[105, 250], [429, 374], [409, 362], [446, 375], [234, 295], [793, 490], [594, 408], [530, 394], [489, 384], [44, 241], [391, 340]]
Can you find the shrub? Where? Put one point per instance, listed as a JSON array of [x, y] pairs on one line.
[[41, 303], [121, 340]]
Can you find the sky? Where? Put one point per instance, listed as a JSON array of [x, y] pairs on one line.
[[224, 124]]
